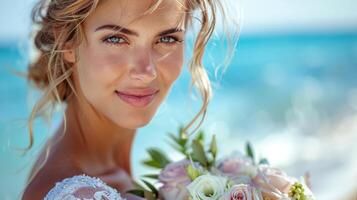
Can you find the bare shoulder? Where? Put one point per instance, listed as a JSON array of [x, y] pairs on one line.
[[54, 170], [44, 181], [40, 184]]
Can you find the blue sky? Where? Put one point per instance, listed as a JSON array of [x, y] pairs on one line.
[[299, 15], [257, 16], [15, 18]]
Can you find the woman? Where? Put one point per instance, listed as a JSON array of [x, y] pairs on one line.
[[111, 62]]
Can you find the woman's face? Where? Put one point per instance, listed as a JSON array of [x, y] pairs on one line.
[[128, 61]]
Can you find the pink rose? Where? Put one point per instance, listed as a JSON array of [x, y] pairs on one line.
[[175, 179], [168, 192], [238, 168], [273, 182], [175, 174], [242, 192]]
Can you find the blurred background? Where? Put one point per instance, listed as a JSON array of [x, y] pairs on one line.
[[290, 89]]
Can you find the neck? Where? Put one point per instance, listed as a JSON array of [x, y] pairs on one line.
[[100, 145]]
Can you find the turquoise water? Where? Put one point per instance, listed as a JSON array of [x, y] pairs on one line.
[[272, 81]]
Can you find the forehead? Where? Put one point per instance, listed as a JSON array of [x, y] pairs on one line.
[[127, 12]]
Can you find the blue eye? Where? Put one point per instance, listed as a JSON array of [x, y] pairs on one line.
[[168, 39], [114, 40]]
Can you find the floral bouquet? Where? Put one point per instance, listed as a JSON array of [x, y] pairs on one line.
[[200, 176]]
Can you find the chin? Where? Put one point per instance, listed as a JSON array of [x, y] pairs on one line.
[[134, 122]]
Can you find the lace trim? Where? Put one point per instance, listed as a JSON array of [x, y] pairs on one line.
[[66, 189]]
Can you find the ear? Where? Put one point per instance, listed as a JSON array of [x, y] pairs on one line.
[[70, 55]]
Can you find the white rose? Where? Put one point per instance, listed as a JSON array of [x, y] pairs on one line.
[[273, 182], [208, 187]]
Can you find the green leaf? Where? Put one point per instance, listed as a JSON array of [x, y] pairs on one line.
[[138, 185], [152, 163], [175, 139], [182, 133], [200, 136], [249, 151], [213, 147], [176, 147], [152, 187], [263, 161], [180, 140], [137, 192], [143, 192], [152, 176], [149, 195], [198, 153], [192, 172], [159, 157]]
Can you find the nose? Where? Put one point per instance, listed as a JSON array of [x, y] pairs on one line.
[[143, 66]]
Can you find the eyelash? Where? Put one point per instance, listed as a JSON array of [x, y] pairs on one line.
[[173, 39], [109, 40]]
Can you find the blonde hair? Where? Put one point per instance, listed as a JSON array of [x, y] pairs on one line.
[[60, 24]]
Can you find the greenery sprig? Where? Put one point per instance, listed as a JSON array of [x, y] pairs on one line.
[[250, 153], [195, 150]]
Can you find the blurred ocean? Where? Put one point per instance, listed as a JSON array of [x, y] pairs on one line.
[[293, 96]]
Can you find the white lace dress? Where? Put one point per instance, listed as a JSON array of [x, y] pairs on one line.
[[82, 187]]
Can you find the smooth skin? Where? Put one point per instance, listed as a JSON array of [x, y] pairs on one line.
[[144, 54]]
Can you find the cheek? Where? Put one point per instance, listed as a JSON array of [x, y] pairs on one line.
[[98, 70], [171, 66]]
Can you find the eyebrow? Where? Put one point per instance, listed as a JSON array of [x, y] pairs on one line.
[[118, 28]]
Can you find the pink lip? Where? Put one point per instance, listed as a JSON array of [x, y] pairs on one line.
[[139, 97]]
